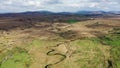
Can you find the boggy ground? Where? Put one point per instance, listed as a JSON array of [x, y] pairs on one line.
[[58, 45]]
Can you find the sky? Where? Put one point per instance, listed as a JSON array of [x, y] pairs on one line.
[[58, 5]]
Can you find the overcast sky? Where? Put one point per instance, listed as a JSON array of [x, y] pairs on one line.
[[58, 5]]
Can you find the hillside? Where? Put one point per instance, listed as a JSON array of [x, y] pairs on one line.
[[83, 43]]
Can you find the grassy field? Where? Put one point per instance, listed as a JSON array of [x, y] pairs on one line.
[[15, 58], [72, 21], [113, 39], [91, 53]]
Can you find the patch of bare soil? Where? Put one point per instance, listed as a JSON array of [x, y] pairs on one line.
[[69, 34], [99, 25]]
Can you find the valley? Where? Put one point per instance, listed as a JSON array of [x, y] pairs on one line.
[[91, 43]]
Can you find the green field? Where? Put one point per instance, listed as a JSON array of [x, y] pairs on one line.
[[15, 58], [113, 39]]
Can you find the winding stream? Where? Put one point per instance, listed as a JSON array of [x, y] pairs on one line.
[[52, 53]]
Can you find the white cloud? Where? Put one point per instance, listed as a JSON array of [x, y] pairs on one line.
[[33, 3], [58, 5], [94, 5]]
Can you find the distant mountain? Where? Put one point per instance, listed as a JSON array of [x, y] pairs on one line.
[[84, 12], [114, 12], [39, 13], [91, 12], [99, 12], [28, 13]]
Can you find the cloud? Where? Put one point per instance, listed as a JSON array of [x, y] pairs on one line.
[[58, 5], [53, 2]]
